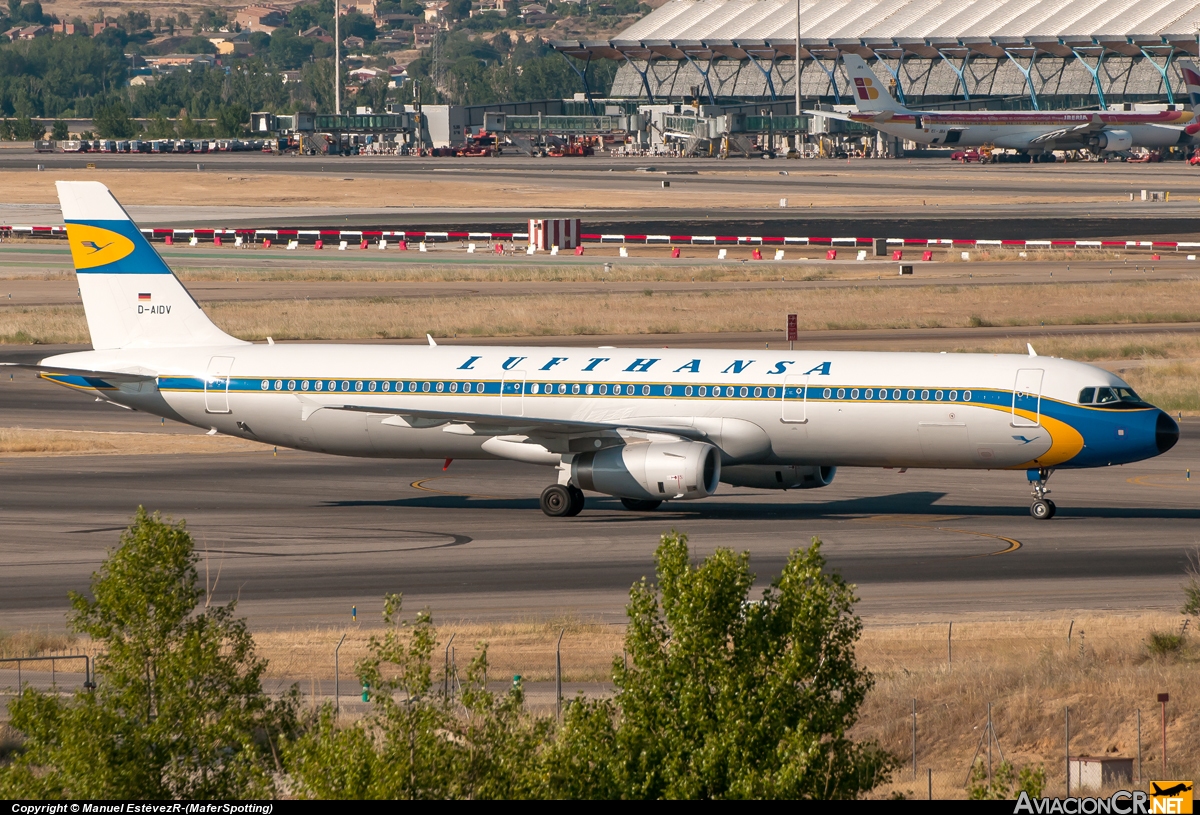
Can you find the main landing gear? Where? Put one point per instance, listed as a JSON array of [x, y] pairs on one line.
[[1042, 507], [562, 500], [566, 501]]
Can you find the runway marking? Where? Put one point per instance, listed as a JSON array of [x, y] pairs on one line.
[[420, 485], [1144, 481], [1013, 543]]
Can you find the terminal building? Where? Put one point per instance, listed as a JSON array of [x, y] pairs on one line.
[[998, 54]]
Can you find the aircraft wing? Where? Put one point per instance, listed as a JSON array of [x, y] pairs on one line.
[[111, 377], [1094, 126], [503, 425]]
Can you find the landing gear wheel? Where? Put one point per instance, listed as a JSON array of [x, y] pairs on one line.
[[1053, 508], [1042, 509], [638, 505], [577, 501], [556, 501]]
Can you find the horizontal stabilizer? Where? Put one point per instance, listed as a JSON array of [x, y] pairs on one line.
[[112, 377]]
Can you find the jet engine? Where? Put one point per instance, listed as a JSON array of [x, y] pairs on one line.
[[652, 471], [1111, 141], [781, 477]]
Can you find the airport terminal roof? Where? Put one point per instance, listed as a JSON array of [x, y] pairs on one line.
[[738, 28]]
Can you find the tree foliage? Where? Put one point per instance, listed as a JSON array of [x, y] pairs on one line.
[[723, 697], [1006, 784], [416, 743], [178, 711], [726, 697]]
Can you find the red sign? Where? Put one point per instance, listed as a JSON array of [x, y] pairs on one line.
[[793, 334]]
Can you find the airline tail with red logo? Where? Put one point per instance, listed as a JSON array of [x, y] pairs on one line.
[[870, 94]]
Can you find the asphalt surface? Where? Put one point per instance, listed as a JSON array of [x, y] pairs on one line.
[[1085, 200], [299, 538]]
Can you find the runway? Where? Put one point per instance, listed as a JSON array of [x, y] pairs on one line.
[[299, 538]]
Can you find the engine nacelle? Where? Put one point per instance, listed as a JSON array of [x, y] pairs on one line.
[[1111, 141], [778, 477], [654, 471]]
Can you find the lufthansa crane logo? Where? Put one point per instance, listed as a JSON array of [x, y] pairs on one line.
[[94, 246], [866, 88]]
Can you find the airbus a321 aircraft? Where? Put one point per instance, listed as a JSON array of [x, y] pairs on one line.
[[644, 425], [1034, 133]]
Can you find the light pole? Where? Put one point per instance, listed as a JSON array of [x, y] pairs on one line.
[[797, 76], [337, 57]]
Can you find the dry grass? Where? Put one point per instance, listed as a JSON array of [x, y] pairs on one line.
[[15, 441], [1148, 346], [1172, 386], [35, 643], [523, 647], [1029, 673], [664, 313], [520, 272]]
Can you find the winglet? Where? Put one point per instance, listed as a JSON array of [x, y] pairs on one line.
[[1029, 347], [430, 338]]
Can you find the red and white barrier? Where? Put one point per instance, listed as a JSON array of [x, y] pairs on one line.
[[311, 236], [565, 233]]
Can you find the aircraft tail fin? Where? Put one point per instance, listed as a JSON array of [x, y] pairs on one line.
[[870, 95], [130, 296], [1191, 78]]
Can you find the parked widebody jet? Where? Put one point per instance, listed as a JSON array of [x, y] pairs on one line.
[[643, 425], [1033, 133]]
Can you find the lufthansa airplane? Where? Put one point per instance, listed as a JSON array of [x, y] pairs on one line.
[[643, 425], [1036, 133]]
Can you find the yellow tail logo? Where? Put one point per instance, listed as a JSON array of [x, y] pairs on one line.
[[93, 246]]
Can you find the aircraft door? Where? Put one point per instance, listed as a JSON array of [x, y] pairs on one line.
[[1027, 398], [795, 399], [216, 385], [512, 394]]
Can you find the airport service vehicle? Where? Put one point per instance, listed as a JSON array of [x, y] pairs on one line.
[[1036, 134], [644, 425]]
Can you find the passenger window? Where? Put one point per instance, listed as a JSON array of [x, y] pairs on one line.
[[1105, 395], [1087, 396]]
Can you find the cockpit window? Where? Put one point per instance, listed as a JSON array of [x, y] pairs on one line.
[[1110, 397]]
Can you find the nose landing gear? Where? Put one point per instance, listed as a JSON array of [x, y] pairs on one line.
[[1042, 507]]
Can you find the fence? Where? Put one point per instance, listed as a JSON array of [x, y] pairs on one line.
[[945, 696]]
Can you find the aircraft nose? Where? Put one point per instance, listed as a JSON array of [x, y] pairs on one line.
[[1166, 432]]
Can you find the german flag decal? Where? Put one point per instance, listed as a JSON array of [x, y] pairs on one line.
[[144, 297]]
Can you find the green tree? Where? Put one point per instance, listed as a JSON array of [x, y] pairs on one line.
[[232, 120], [112, 121], [25, 129], [415, 743], [160, 128], [178, 711], [1191, 589], [725, 697], [59, 130], [1006, 784]]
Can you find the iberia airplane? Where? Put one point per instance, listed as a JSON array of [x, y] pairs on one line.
[[1035, 133], [644, 425]]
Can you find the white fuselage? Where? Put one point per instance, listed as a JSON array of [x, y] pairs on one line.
[[1017, 132], [758, 407]]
